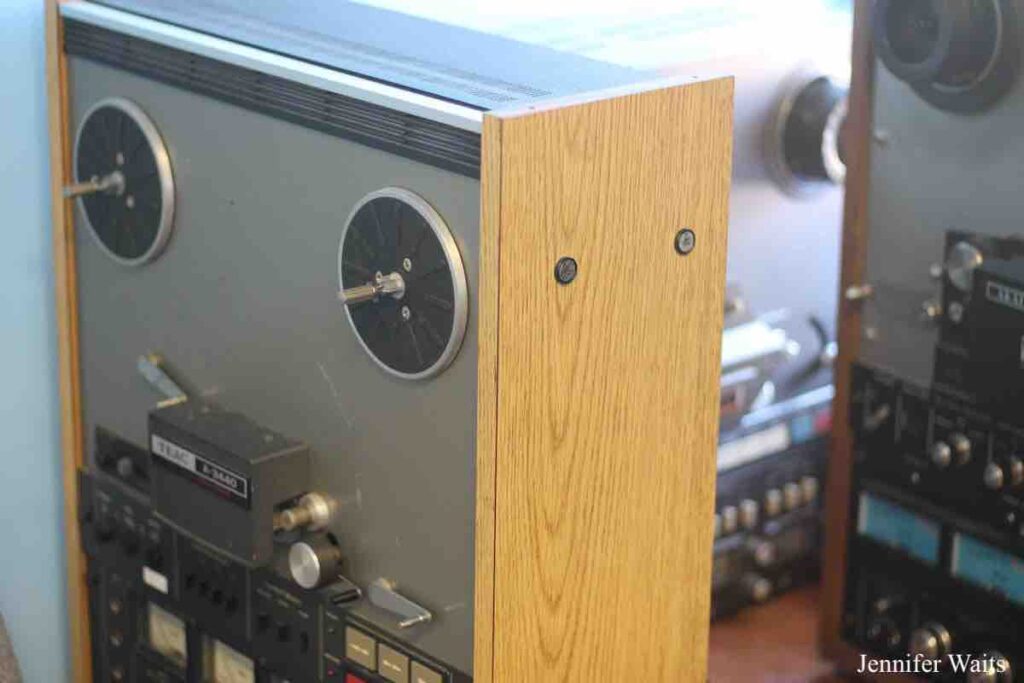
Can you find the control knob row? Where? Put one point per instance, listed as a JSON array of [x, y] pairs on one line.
[[1010, 473], [931, 641], [955, 449]]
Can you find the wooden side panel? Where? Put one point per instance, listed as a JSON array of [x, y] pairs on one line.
[[607, 388], [67, 344], [854, 244], [487, 400]]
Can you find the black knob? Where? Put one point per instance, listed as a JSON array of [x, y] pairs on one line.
[[948, 48], [811, 120]]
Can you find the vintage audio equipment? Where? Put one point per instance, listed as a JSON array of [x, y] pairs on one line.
[[390, 348], [926, 504], [771, 469]]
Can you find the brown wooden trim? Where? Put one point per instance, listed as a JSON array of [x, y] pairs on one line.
[[854, 244], [487, 399], [597, 460], [67, 345]]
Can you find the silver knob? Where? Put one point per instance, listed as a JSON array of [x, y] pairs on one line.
[[313, 511], [961, 447], [1015, 468], [809, 486], [730, 519], [764, 552], [963, 259], [941, 454], [314, 563], [758, 588], [392, 285], [749, 513], [773, 502], [792, 496], [931, 641], [994, 476], [997, 669]]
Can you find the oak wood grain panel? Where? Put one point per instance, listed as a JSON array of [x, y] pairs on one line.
[[65, 289], [607, 405], [487, 399], [857, 140]]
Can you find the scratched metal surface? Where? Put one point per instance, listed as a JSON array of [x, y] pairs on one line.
[[242, 304]]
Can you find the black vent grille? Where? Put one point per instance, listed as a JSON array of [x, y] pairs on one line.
[[410, 136]]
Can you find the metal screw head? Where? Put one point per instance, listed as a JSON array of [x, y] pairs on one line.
[[407, 264], [119, 158], [406, 313], [685, 241], [565, 270], [129, 201]]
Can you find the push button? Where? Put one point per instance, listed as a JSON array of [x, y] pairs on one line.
[[360, 648], [393, 665], [423, 674]]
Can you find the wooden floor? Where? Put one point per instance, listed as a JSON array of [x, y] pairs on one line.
[[774, 643]]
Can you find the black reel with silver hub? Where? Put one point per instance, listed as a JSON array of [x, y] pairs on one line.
[[124, 184], [403, 283]]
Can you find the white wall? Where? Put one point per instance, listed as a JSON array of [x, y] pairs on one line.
[[32, 596]]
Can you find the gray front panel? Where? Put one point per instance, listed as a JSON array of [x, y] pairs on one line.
[[931, 171], [242, 304]]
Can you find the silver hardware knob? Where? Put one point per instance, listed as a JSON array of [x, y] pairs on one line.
[[758, 587], [931, 641], [961, 447], [941, 454], [749, 513], [996, 669], [314, 563], [730, 519], [963, 259], [391, 285], [994, 477], [1015, 470], [764, 553], [313, 512], [792, 496]]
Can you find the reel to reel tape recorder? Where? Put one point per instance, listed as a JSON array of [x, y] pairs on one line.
[[372, 385]]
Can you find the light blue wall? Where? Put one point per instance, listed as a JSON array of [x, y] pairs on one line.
[[31, 528]]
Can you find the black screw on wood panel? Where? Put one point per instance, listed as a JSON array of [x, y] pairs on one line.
[[685, 241], [565, 270]]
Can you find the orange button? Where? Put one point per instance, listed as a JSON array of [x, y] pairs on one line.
[[352, 678]]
